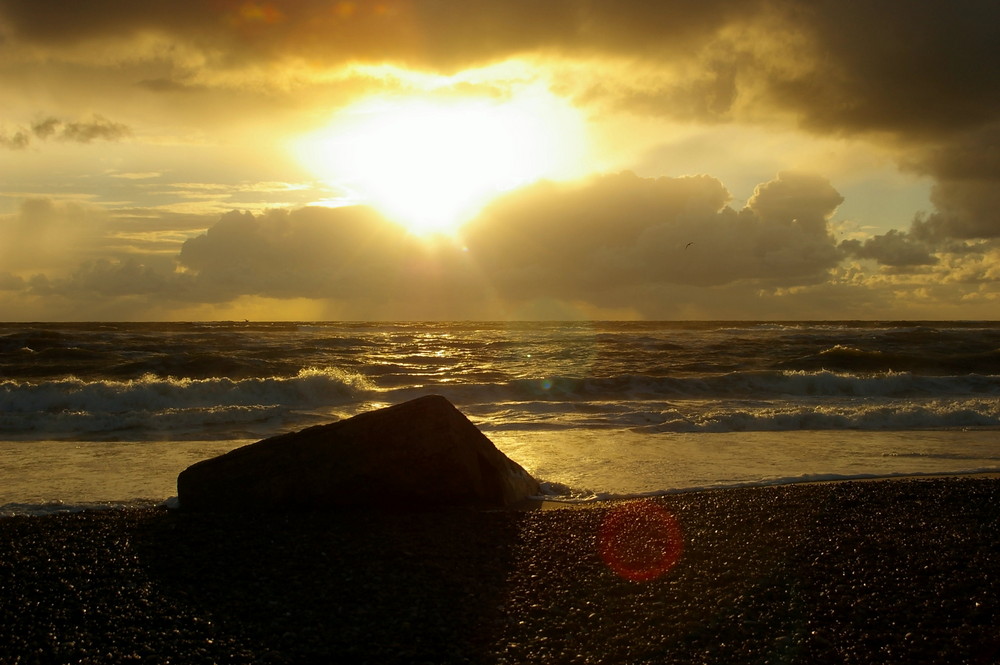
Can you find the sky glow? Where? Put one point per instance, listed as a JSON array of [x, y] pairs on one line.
[[407, 159], [432, 165]]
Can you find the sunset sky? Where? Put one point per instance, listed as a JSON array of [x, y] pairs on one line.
[[526, 159]]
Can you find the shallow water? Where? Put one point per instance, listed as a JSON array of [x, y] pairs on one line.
[[575, 465], [593, 464], [47, 476]]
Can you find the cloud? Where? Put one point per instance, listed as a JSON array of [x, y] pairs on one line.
[[623, 232], [417, 33], [613, 242], [804, 200], [98, 128], [350, 255], [601, 244], [966, 196], [46, 128], [123, 277], [869, 66], [895, 248], [9, 282], [311, 252], [840, 67], [617, 245], [16, 141]]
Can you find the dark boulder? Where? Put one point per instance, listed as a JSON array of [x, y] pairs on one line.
[[424, 452]]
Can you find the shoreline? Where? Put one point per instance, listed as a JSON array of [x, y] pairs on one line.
[[897, 569], [534, 503]]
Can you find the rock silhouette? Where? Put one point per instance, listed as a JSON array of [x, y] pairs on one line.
[[420, 453]]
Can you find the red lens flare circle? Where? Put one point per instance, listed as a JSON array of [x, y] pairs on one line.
[[640, 540]]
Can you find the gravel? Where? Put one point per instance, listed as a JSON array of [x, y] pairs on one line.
[[893, 571]]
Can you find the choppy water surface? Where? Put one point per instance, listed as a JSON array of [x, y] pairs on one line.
[[635, 391]]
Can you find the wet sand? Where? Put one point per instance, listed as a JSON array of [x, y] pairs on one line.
[[889, 571]]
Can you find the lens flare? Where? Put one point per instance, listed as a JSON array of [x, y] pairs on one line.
[[640, 540]]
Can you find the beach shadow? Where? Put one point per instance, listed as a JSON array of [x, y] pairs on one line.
[[363, 586]]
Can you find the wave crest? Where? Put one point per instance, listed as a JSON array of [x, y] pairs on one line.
[[74, 407]]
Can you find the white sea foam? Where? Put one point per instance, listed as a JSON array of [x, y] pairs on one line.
[[73, 407], [828, 415]]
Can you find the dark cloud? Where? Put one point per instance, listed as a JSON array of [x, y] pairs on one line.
[[966, 195], [965, 209], [425, 33], [895, 248], [928, 69], [123, 277], [16, 141], [972, 154], [707, 91], [97, 128], [839, 66], [44, 129], [924, 69], [9, 282], [51, 22]]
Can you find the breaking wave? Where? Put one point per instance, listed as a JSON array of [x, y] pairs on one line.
[[73, 407]]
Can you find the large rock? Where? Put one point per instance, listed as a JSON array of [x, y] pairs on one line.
[[420, 453]]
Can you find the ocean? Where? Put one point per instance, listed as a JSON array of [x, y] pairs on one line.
[[107, 414]]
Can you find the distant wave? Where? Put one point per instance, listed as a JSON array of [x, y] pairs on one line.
[[73, 407], [153, 406], [746, 384], [930, 414], [930, 360]]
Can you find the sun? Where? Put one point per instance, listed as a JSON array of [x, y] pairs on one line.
[[432, 164]]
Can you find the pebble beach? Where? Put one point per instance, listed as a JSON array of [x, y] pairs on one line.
[[885, 571]]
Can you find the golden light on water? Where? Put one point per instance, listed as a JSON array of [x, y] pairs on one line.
[[432, 164]]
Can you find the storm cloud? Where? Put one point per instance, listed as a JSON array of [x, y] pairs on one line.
[[857, 67]]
